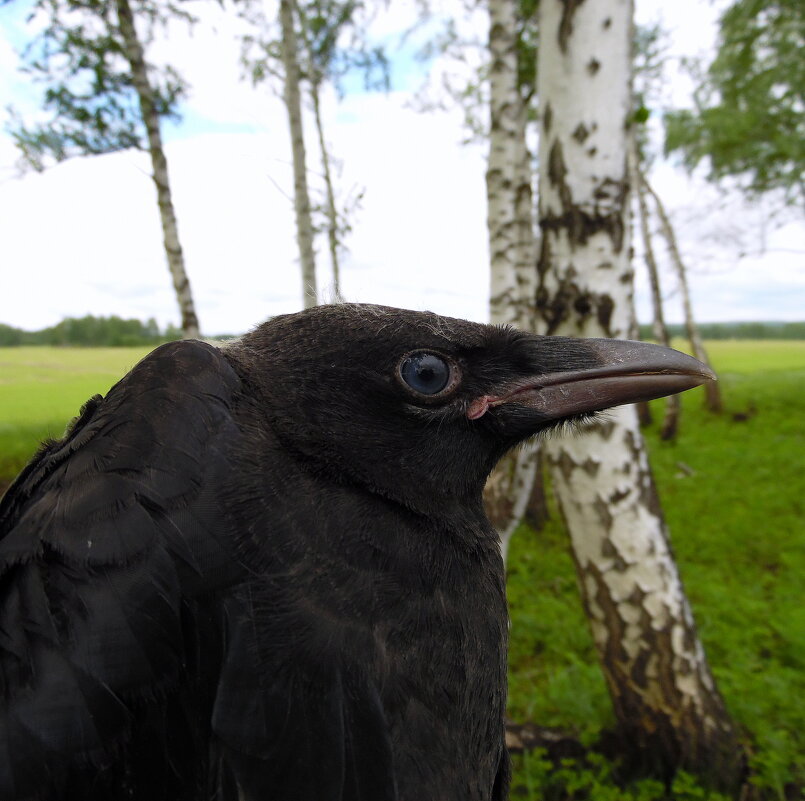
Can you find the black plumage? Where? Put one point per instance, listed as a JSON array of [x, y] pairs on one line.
[[264, 572]]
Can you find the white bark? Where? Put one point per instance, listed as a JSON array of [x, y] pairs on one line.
[[510, 217], [159, 164], [512, 245], [511, 483], [315, 77], [331, 211], [293, 102], [660, 683]]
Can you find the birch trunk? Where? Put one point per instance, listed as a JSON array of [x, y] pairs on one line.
[[669, 712], [331, 211], [712, 391], [293, 102], [670, 423], [512, 246], [159, 164]]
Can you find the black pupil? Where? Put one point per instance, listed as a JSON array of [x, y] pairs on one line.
[[426, 373]]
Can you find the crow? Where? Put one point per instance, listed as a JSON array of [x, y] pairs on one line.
[[263, 572]]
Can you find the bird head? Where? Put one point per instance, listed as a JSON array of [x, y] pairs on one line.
[[419, 407]]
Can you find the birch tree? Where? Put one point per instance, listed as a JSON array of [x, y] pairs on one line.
[[319, 43], [104, 97], [670, 423], [293, 103], [712, 395], [330, 209], [332, 34], [748, 120], [512, 244], [668, 709], [648, 73]]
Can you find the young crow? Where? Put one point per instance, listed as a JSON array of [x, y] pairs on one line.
[[264, 573]]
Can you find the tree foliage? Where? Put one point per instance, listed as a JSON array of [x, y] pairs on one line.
[[333, 36], [332, 43], [463, 81], [90, 97], [749, 115], [91, 331]]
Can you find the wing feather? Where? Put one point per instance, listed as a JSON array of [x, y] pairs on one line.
[[105, 540]]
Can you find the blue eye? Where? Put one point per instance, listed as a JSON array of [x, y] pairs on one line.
[[425, 373]]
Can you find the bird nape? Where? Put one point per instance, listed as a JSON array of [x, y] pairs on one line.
[[264, 571]]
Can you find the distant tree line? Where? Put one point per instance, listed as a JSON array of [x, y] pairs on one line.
[[736, 330], [92, 331]]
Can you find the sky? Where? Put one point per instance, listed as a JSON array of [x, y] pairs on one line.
[[84, 236]]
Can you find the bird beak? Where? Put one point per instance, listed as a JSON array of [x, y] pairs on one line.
[[620, 372]]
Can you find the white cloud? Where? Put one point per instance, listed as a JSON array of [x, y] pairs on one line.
[[85, 238]]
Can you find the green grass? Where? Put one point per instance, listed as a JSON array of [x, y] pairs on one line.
[[43, 388], [738, 534], [736, 526]]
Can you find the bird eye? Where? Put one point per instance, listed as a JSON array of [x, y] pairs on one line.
[[425, 373]]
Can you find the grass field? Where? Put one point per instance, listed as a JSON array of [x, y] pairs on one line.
[[42, 388], [737, 529]]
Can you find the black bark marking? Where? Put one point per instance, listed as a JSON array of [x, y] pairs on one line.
[[604, 313], [632, 445], [557, 172], [607, 23], [620, 565], [581, 133], [618, 496], [555, 310], [591, 467], [582, 223], [604, 515], [637, 595], [639, 667], [593, 65], [564, 464], [544, 263], [608, 549], [566, 23], [583, 305], [688, 640], [605, 428], [547, 118]]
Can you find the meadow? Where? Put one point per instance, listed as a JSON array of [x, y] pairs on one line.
[[42, 388], [733, 492]]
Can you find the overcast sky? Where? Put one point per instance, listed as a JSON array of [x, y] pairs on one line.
[[84, 237]]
